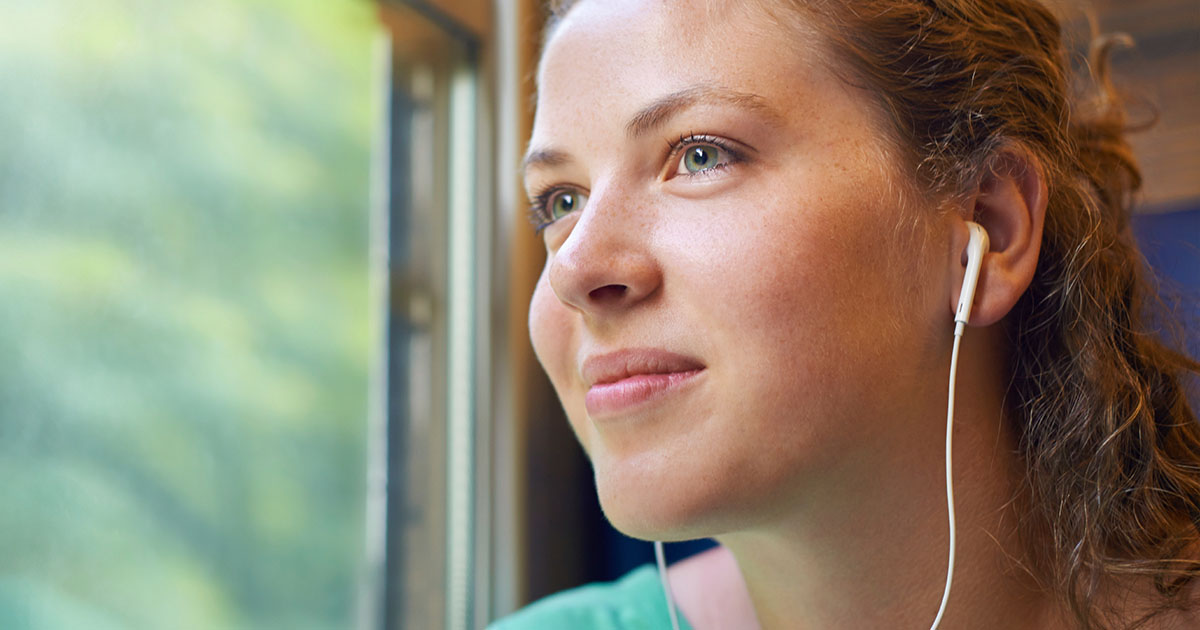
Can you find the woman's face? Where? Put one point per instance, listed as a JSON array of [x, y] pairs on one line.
[[731, 310]]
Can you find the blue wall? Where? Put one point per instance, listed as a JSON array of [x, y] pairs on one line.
[[1171, 244]]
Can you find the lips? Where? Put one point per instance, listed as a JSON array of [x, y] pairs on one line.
[[623, 381]]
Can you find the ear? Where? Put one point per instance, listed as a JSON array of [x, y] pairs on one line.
[[1009, 201]]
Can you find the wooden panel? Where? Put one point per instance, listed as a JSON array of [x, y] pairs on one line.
[[474, 16], [1163, 69]]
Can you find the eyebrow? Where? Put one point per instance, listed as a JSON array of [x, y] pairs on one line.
[[661, 111], [545, 157]]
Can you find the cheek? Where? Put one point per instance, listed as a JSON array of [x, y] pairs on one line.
[[785, 273], [550, 331], [556, 344], [804, 317]]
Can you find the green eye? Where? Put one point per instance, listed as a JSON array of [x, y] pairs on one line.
[[564, 203], [701, 157]]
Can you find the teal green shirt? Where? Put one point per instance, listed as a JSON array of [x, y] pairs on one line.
[[635, 602]]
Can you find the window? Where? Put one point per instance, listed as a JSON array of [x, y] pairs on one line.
[[438, 327], [187, 325]]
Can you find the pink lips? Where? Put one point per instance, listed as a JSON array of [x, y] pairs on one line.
[[623, 380]]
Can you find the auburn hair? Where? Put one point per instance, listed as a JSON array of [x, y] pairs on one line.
[[1109, 439]]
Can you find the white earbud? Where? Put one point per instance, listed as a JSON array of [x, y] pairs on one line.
[[977, 246]]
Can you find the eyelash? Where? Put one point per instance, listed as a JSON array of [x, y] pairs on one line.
[[537, 209], [537, 204], [686, 141]]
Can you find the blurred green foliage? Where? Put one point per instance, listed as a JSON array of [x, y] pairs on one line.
[[183, 312]]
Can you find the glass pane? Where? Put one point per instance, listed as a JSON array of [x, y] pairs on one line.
[[183, 273]]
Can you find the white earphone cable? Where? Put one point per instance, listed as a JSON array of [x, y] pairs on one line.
[[958, 332], [666, 583]]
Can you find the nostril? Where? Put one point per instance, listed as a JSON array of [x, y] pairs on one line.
[[608, 293]]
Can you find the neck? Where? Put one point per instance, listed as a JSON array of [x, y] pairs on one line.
[[870, 551]]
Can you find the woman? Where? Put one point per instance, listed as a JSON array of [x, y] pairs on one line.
[[756, 217]]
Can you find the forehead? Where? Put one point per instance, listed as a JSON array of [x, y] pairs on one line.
[[607, 58]]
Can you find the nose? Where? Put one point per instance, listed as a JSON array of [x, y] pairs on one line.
[[607, 263]]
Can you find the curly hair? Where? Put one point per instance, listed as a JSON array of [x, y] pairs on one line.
[[1110, 442]]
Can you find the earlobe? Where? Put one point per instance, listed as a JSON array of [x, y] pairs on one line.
[[1009, 201]]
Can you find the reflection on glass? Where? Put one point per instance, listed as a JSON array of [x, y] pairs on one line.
[[183, 280]]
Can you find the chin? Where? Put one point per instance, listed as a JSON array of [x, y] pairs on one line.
[[651, 507]]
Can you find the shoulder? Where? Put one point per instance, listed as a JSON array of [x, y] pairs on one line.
[[635, 602], [711, 592]]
